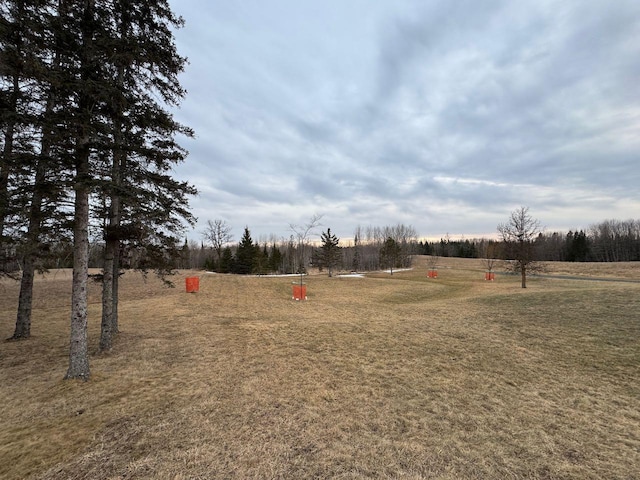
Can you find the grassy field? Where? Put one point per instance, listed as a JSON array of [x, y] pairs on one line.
[[379, 377]]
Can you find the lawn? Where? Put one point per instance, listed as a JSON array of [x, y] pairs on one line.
[[377, 377]]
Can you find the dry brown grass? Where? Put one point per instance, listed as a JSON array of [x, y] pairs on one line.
[[377, 377]]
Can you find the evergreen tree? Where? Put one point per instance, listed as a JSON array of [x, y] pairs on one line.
[[226, 261], [83, 88], [245, 254], [142, 143], [390, 254], [577, 247], [275, 258], [329, 251], [19, 108], [28, 176], [355, 265], [90, 66], [260, 259]]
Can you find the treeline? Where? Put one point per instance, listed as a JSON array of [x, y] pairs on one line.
[[608, 241], [87, 144], [372, 248], [369, 250]]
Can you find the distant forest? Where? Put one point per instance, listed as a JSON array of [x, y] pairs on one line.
[[609, 241]]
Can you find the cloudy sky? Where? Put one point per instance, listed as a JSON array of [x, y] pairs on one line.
[[443, 115]]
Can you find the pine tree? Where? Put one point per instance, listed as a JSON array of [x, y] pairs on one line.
[[89, 72], [245, 254], [18, 106], [330, 251], [83, 90], [355, 265], [146, 206], [275, 258], [261, 259], [45, 222], [226, 261], [577, 247], [390, 254]]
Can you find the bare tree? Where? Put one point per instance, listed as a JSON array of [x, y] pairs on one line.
[[518, 235], [372, 238], [302, 233], [218, 234], [432, 262], [406, 237], [616, 240], [489, 254]]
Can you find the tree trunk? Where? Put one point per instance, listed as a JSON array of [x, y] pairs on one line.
[[78, 351], [4, 176], [109, 325], [106, 330], [523, 274], [6, 166], [110, 271], [116, 277], [25, 300]]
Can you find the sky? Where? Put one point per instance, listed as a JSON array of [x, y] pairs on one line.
[[441, 115]]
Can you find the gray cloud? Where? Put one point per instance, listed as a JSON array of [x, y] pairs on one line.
[[443, 115]]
